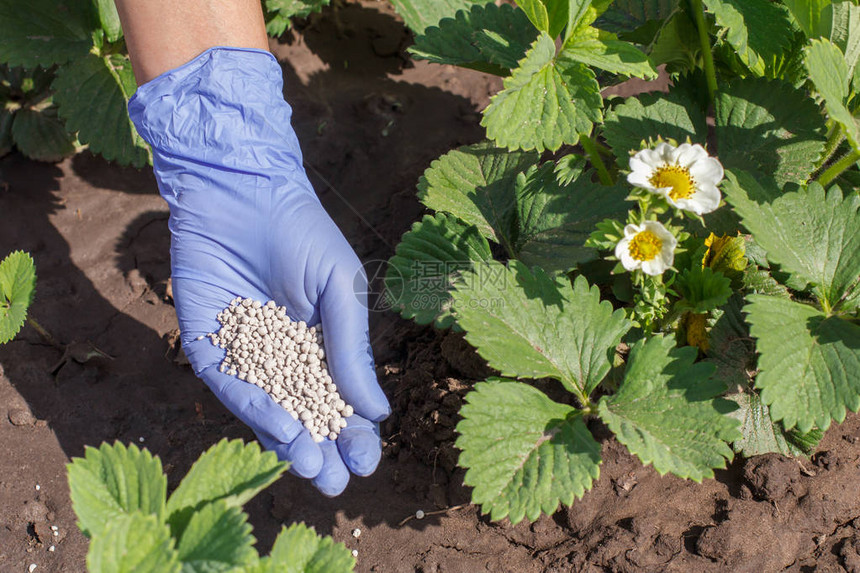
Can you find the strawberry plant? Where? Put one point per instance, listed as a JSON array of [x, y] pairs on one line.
[[119, 495], [17, 286], [686, 264]]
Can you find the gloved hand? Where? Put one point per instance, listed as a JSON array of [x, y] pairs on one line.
[[245, 222]]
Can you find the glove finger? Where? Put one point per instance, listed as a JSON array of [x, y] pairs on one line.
[[333, 477], [347, 345], [304, 455], [253, 406], [360, 446]]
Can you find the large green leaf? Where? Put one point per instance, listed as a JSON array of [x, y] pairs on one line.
[[425, 264], [759, 30], [677, 44], [112, 481], [811, 234], [92, 94], [279, 13], [230, 471], [527, 324], [41, 135], [523, 452], [769, 126], [593, 48], [667, 412], [17, 287], [628, 15], [421, 14], [489, 38], [298, 549], [670, 116], [828, 71], [761, 435], [730, 347], [554, 220], [133, 543], [813, 16], [217, 538], [476, 184], [45, 32], [809, 362], [845, 32], [546, 102]]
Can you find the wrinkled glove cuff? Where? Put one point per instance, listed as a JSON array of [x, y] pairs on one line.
[[222, 111]]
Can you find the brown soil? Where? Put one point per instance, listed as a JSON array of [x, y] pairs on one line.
[[370, 121]]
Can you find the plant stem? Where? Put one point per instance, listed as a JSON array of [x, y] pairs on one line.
[[43, 333], [594, 156], [835, 170], [834, 138], [705, 41]]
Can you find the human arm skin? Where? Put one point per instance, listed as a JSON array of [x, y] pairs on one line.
[[164, 34]]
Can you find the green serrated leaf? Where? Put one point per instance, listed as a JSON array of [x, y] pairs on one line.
[[759, 281], [730, 347], [114, 481], [813, 16], [546, 102], [40, 135], [809, 363], [554, 221], [677, 44], [703, 289], [761, 435], [810, 234], [109, 19], [845, 32], [670, 116], [92, 95], [298, 549], [425, 264], [489, 38], [629, 15], [280, 12], [231, 471], [769, 126], [528, 324], [45, 32], [421, 14], [476, 184], [17, 288], [523, 452], [133, 543], [216, 538], [828, 71], [667, 413], [759, 30], [609, 54]]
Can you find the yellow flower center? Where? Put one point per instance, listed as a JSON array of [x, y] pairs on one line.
[[675, 177], [645, 246]]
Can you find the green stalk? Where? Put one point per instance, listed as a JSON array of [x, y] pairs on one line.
[[591, 149], [835, 170], [705, 41], [834, 138], [43, 333]]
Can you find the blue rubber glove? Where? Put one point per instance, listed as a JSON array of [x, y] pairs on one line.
[[245, 222]]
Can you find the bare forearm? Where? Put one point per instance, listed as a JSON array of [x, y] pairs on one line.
[[164, 34]]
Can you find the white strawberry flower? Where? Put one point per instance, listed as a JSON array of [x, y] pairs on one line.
[[649, 246], [685, 175]]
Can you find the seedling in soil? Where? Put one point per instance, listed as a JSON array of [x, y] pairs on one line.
[[17, 287], [284, 358], [119, 494]]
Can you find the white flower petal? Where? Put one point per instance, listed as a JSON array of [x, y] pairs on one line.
[[622, 253], [653, 267], [707, 170], [690, 154], [650, 157], [631, 230], [640, 179]]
